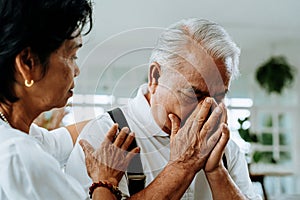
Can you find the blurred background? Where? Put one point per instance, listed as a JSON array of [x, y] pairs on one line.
[[114, 63]]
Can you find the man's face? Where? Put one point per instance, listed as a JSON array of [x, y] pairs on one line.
[[180, 88]]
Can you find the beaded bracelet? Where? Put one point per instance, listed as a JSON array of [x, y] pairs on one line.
[[114, 189]]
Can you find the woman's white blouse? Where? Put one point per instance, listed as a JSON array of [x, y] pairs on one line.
[[30, 165]]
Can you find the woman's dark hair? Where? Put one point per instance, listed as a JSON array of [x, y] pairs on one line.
[[41, 25]]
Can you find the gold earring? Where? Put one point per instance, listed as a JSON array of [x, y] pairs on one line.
[[29, 84]]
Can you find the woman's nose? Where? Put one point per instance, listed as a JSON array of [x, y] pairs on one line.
[[77, 71]]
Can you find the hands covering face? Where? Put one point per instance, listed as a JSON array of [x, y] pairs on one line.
[[112, 158], [200, 143]]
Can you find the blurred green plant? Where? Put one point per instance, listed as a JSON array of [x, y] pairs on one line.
[[267, 157], [245, 133], [275, 74]]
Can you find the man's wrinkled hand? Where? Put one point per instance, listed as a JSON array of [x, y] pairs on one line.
[[192, 144]]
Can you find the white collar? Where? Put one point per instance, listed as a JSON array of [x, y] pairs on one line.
[[3, 123]]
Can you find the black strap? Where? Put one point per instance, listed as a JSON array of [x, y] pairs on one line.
[[135, 174], [225, 161]]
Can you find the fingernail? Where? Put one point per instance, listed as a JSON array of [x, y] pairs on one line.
[[132, 134], [126, 129], [218, 110], [207, 100]]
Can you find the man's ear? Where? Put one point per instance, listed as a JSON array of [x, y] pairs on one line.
[[25, 63], [154, 74]]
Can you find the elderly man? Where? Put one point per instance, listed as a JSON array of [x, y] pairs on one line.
[[193, 59]]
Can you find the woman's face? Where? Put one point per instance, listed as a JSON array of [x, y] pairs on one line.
[[55, 88]]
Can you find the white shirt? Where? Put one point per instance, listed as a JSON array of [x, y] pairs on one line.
[[30, 165], [155, 151]]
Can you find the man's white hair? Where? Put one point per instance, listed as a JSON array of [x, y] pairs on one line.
[[212, 37]]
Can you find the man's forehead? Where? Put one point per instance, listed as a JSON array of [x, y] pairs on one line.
[[210, 72], [196, 55]]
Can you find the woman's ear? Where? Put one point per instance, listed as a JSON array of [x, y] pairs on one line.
[[25, 64], [154, 74]]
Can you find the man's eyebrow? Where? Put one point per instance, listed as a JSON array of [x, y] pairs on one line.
[[207, 94]]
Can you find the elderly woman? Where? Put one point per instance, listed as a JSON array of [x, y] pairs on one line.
[[38, 45], [39, 41]]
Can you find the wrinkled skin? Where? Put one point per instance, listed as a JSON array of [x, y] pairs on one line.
[[109, 162], [200, 144]]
